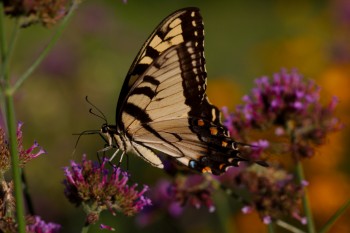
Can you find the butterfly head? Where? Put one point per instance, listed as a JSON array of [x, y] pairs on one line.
[[109, 131]]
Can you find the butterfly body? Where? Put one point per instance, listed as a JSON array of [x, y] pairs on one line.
[[163, 106]]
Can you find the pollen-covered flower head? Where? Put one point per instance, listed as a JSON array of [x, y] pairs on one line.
[[96, 188]]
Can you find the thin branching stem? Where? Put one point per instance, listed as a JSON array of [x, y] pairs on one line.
[[305, 199], [270, 228], [11, 127], [288, 227], [46, 50], [9, 50]]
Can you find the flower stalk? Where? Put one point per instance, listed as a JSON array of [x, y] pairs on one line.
[[46, 50], [11, 126], [305, 199]]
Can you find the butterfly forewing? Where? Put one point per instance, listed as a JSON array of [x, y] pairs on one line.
[[182, 25], [163, 105]]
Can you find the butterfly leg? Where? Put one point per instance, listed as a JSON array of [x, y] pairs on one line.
[[103, 151], [114, 154]]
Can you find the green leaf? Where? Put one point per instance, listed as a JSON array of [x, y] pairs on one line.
[[335, 217]]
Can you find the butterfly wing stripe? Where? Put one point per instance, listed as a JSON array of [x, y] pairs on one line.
[[151, 80], [148, 155], [173, 30]]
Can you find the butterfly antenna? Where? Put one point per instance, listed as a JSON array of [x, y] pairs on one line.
[[102, 116]]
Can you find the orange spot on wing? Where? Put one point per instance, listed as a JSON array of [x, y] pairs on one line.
[[200, 122], [206, 170], [213, 130]]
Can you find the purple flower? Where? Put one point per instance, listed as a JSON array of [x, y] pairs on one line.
[[25, 155], [42, 227], [195, 190], [172, 197], [47, 13], [288, 106], [97, 188], [105, 227], [163, 202], [272, 191]]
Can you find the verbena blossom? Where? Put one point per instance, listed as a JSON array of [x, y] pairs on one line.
[[286, 106], [46, 12], [96, 188], [289, 117], [7, 200], [173, 197], [272, 191], [25, 155], [39, 226], [163, 203], [194, 190]]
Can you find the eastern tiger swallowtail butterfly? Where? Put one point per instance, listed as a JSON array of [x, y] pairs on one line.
[[163, 106]]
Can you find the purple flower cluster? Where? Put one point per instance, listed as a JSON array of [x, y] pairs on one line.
[[286, 106], [97, 188], [172, 197], [46, 12], [7, 200], [273, 192], [195, 190], [39, 226]]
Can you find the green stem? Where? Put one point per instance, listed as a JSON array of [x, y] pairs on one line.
[[335, 217], [2, 41], [8, 53], [305, 199], [11, 126], [85, 229], [223, 213], [270, 228], [46, 50], [288, 227], [16, 171]]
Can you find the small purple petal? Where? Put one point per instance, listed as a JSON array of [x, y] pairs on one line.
[[175, 209], [334, 102], [42, 227], [279, 131], [19, 125], [212, 209], [41, 151], [298, 105], [247, 209], [105, 227], [267, 220], [303, 220], [304, 183]]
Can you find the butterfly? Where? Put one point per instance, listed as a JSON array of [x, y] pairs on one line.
[[163, 105]]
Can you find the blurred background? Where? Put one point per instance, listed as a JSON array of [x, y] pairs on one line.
[[244, 40]]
